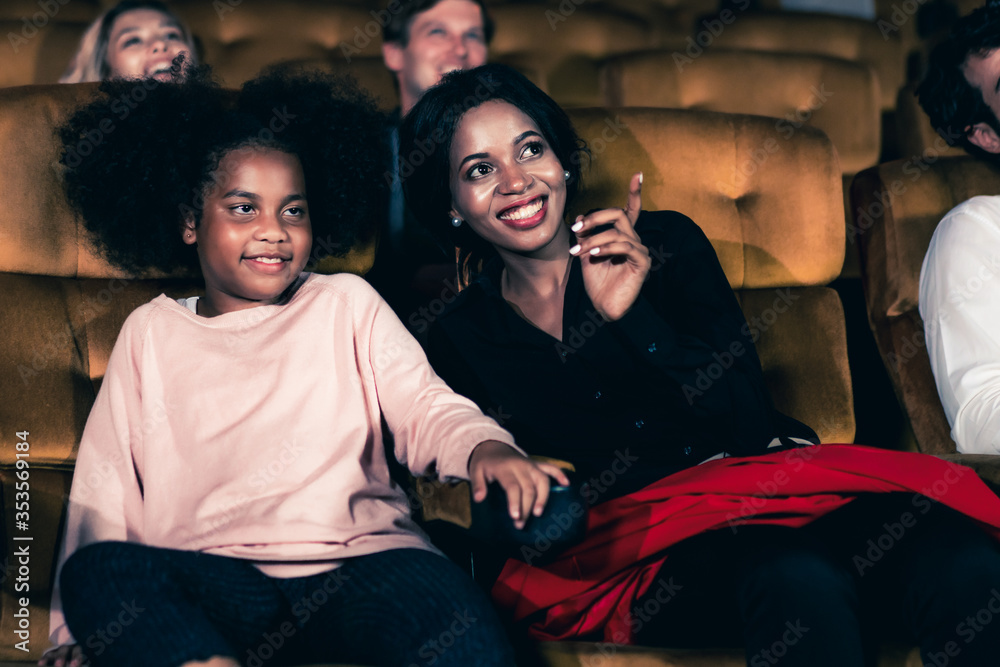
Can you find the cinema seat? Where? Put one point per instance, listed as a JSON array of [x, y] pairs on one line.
[[852, 39], [839, 97], [897, 207], [240, 38], [40, 13], [62, 309], [670, 21], [40, 56]]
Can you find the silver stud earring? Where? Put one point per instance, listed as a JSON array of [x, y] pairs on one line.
[[456, 221], [566, 174]]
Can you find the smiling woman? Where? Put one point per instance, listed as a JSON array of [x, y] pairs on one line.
[[135, 39], [594, 357]]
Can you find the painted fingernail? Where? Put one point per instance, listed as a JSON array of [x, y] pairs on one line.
[[575, 249], [595, 251], [577, 227], [640, 178]]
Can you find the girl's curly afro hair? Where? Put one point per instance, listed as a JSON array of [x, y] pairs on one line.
[[142, 157]]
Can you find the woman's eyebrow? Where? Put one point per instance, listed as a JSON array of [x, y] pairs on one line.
[[474, 156], [518, 139], [293, 197], [240, 193]]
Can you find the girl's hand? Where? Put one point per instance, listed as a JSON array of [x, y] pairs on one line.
[[525, 482], [615, 263], [64, 656]]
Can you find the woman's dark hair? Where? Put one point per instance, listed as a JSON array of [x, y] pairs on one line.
[[950, 101], [141, 158], [425, 145]]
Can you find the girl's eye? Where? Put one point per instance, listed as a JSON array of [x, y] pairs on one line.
[[243, 209], [479, 170], [531, 149], [131, 41], [296, 211], [175, 36]]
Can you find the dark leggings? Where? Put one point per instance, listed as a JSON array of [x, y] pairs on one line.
[[890, 566], [129, 604]]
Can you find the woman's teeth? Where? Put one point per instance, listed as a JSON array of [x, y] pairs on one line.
[[523, 212], [268, 260]]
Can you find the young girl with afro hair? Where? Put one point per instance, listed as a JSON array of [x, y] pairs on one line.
[[245, 512]]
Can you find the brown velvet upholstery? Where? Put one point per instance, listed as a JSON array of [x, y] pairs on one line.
[[544, 27], [840, 98], [43, 57], [915, 135], [838, 36], [62, 309], [898, 205], [768, 236], [559, 49]]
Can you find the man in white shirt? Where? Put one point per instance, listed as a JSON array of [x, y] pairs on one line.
[[960, 278]]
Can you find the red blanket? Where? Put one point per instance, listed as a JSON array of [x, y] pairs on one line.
[[595, 584]]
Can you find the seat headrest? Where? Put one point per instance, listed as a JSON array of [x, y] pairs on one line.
[[771, 204]]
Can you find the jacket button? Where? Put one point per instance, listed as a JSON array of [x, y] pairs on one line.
[[639, 423], [597, 394], [687, 451], [652, 347]]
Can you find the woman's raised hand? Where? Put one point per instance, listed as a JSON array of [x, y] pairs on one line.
[[615, 263], [525, 482]]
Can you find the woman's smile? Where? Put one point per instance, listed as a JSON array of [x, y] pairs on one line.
[[525, 215]]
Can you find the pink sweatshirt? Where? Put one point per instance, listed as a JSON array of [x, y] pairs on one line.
[[257, 434]]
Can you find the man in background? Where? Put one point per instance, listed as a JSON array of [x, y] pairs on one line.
[[422, 41], [960, 278]]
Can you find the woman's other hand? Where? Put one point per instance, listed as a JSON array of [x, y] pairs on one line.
[[64, 656], [615, 263], [525, 482]]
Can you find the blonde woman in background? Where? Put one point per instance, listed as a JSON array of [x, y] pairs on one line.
[[135, 39]]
